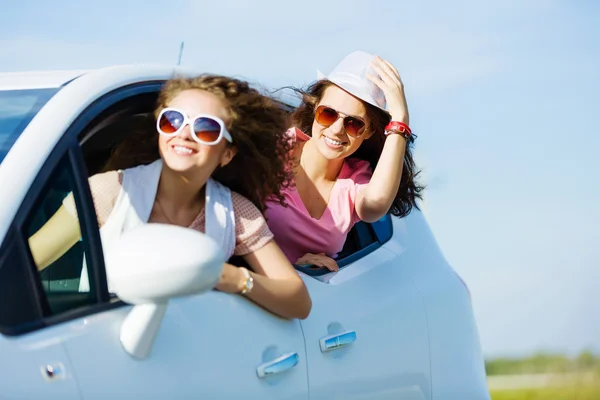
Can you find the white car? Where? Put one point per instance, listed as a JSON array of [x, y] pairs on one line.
[[395, 322]]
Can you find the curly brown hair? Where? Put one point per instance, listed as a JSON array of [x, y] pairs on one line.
[[256, 123], [370, 150]]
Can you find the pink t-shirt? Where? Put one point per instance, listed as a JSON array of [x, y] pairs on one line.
[[297, 233]]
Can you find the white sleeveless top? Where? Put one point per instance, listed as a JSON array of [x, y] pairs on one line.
[[134, 205]]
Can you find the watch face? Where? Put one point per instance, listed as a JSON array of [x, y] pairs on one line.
[[249, 284]]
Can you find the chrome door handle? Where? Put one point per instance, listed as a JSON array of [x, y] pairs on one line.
[[337, 341], [278, 365]]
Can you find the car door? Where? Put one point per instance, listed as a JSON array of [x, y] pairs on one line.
[[33, 365], [208, 346], [366, 336]]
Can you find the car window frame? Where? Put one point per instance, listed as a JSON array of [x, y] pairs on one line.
[[382, 230], [68, 147]]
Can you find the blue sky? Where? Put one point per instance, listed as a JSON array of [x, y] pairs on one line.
[[504, 96]]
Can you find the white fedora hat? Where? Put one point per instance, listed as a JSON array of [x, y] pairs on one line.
[[351, 75]]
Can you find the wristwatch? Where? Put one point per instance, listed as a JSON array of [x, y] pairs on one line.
[[248, 281]]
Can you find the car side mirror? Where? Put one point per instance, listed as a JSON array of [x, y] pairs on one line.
[[152, 264]]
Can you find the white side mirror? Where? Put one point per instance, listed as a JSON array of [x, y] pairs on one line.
[[150, 265]]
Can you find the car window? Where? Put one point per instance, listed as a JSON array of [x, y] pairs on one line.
[[17, 109], [61, 279], [364, 238]]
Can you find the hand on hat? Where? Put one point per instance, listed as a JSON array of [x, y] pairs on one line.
[[389, 81]]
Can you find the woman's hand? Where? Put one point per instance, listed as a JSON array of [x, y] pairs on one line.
[[389, 81], [231, 279], [320, 260]]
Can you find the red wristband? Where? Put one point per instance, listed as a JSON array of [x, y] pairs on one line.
[[397, 126]]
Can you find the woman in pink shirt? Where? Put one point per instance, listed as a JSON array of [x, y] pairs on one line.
[[352, 160]]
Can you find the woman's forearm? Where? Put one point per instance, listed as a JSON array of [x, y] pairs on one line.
[[287, 297], [54, 238], [277, 286], [379, 194]]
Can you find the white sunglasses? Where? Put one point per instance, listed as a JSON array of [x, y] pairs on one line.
[[206, 129]]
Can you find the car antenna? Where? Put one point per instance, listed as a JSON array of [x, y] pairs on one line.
[[180, 53]]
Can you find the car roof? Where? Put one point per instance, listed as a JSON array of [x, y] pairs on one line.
[[37, 79], [56, 78]]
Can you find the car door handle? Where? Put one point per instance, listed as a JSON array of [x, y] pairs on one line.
[[337, 341], [278, 365]]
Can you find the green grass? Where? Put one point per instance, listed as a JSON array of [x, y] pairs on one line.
[[566, 393], [582, 387], [578, 377]]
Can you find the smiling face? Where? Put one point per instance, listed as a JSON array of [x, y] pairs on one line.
[[181, 152], [332, 141]]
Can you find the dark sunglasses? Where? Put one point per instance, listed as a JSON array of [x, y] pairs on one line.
[[327, 116], [206, 129]]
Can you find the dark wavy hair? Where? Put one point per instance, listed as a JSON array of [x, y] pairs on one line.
[[256, 123], [370, 150]]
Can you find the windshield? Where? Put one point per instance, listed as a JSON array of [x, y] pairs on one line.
[[17, 109]]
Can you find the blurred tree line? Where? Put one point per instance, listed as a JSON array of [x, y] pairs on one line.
[[544, 363]]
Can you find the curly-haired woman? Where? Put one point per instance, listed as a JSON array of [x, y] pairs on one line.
[[218, 156]]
